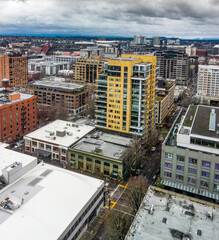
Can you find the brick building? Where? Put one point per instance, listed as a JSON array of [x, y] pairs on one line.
[[18, 115], [164, 98], [14, 68], [173, 65], [73, 97]]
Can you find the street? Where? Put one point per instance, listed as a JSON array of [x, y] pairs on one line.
[[100, 229]]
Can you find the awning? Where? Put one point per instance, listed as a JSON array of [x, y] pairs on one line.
[[42, 153], [190, 189], [72, 162]]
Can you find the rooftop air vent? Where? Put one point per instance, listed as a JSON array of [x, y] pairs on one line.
[[199, 232]]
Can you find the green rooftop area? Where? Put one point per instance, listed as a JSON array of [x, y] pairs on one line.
[[190, 116]]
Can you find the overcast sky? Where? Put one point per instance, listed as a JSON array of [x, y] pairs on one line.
[[178, 18]]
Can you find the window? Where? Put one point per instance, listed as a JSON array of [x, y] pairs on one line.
[[193, 161], [217, 166], [80, 157], [206, 164], [72, 155], [216, 176], [106, 164], [41, 145], [204, 184], [168, 165], [55, 149], [205, 174], [89, 159], [168, 174], [216, 187], [180, 158], [180, 168], [34, 143], [48, 147], [192, 170], [179, 177], [169, 155], [97, 162], [115, 166], [191, 180], [63, 151]]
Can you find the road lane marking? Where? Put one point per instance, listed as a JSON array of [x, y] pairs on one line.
[[111, 207], [123, 186]]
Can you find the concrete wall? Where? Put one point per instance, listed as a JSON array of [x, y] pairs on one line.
[[200, 156]]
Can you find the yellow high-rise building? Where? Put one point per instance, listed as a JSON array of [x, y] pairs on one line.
[[125, 95]]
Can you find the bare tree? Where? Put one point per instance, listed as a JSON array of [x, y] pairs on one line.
[[119, 224], [152, 140], [58, 111], [133, 157], [137, 187], [91, 102]]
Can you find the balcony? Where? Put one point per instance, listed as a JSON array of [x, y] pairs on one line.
[[102, 77], [104, 85], [100, 111], [100, 121], [99, 116]]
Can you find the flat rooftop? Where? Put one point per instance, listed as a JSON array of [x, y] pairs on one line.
[[209, 67], [125, 59], [165, 215], [198, 117], [8, 157], [4, 97], [46, 201], [61, 132], [58, 85], [108, 145]]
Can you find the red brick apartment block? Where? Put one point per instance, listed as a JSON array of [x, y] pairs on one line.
[[18, 115]]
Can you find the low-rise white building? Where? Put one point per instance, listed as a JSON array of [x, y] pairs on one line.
[[47, 202], [53, 140]]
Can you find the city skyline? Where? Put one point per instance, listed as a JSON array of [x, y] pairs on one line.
[[184, 19]]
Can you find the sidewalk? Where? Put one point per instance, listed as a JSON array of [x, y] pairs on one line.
[[95, 225]]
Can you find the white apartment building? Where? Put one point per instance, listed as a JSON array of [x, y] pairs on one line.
[[190, 51], [53, 140], [208, 81]]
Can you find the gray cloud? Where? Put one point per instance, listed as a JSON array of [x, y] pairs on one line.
[[182, 18]]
